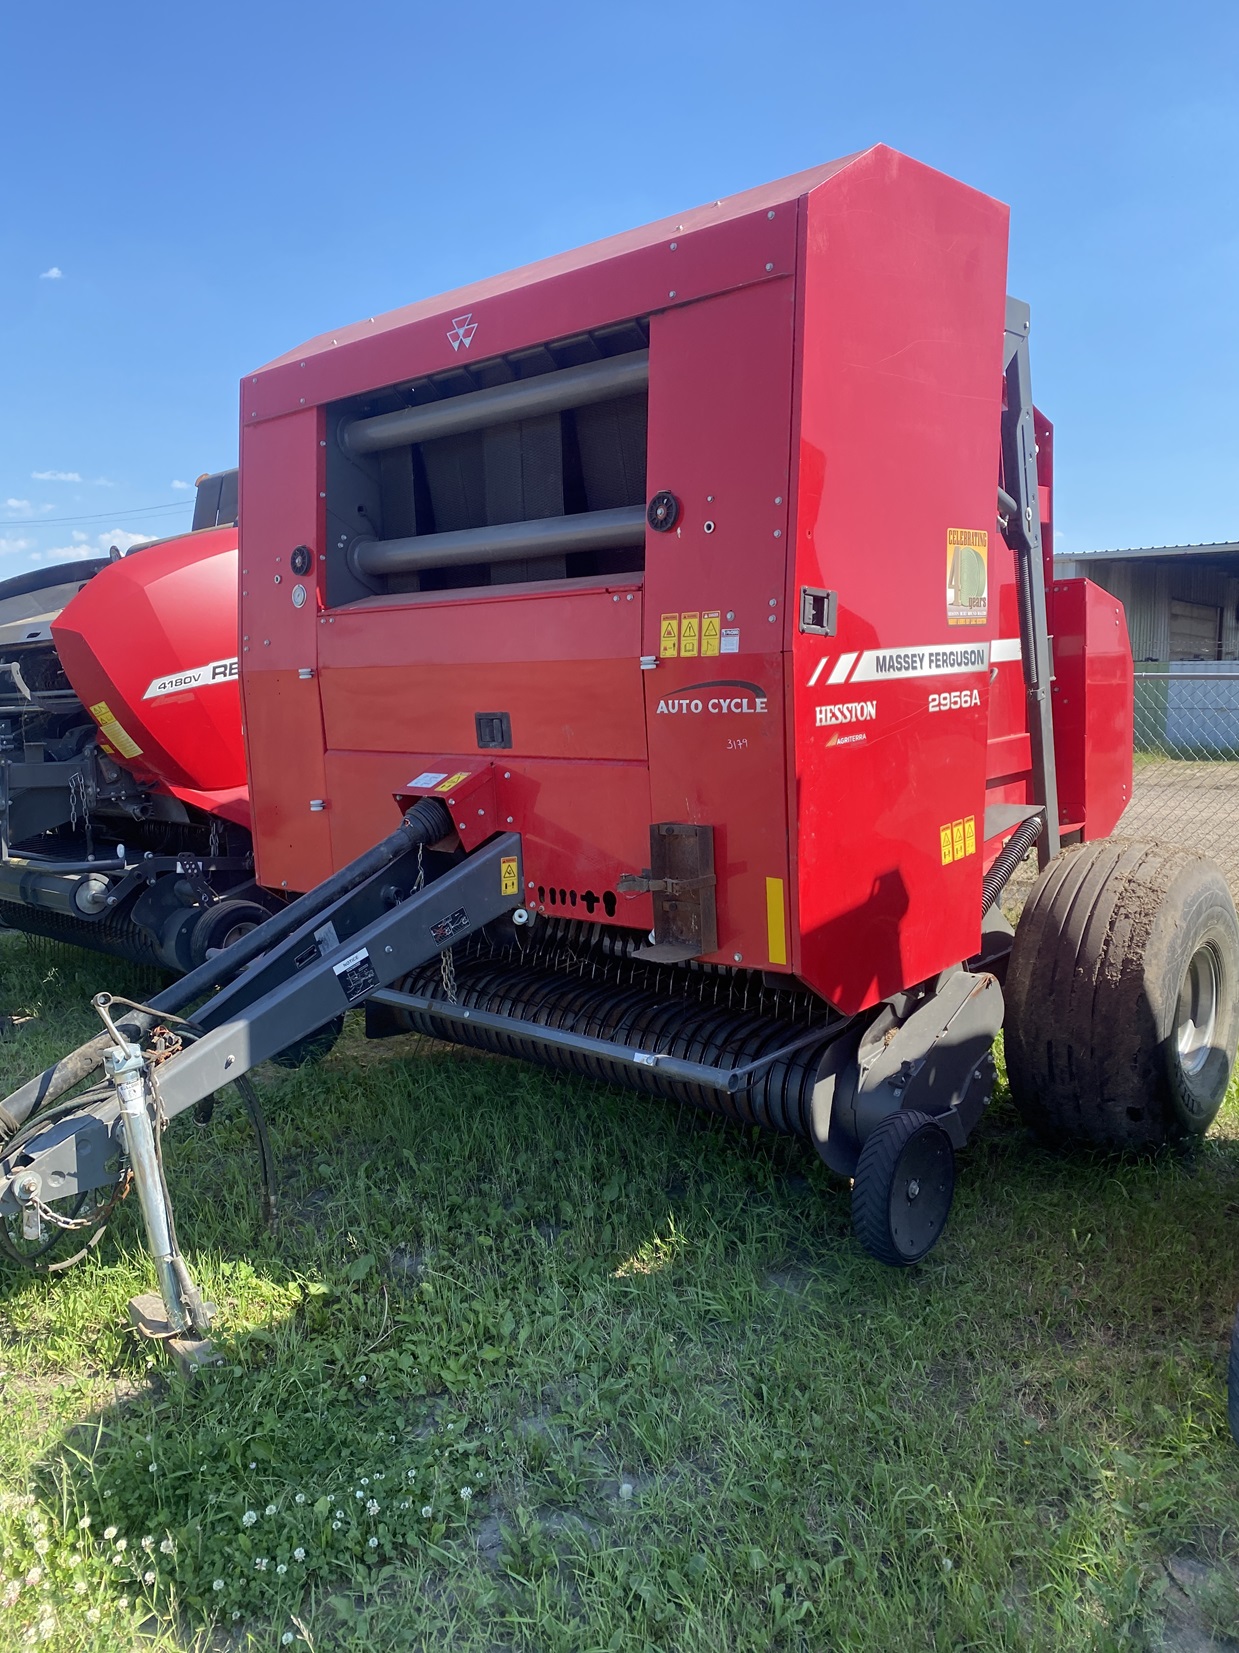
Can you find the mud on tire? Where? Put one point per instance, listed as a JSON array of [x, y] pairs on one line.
[[1122, 996]]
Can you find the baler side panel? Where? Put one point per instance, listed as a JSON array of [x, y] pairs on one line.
[[899, 405], [281, 481], [720, 400], [1093, 685]]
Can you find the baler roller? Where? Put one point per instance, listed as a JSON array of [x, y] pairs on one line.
[[777, 1097]]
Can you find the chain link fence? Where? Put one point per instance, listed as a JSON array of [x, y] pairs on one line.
[[1186, 782]]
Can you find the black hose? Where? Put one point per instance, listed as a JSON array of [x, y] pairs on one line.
[[425, 822], [1009, 857]]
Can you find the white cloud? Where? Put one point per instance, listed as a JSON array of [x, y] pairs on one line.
[[102, 482], [54, 274], [188, 486], [10, 545], [99, 546], [80, 537], [55, 476]]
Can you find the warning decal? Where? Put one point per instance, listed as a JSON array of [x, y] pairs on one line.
[[669, 637], [508, 881], [690, 634], [112, 732], [958, 839], [967, 576], [453, 780], [356, 975], [710, 632]]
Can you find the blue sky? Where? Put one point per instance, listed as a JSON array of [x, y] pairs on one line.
[[186, 192]]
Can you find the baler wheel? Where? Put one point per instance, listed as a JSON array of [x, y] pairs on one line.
[[1122, 996], [904, 1185], [219, 926]]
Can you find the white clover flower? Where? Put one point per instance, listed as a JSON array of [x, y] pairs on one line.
[[218, 1585], [123, 1603], [298, 1554], [122, 1544], [410, 1475], [9, 1598], [247, 1520], [84, 1523], [300, 1498], [489, 1429], [260, 1561], [358, 1493], [148, 1543], [451, 1426], [372, 1543], [236, 1614], [282, 1568], [109, 1532], [365, 1480], [270, 1510], [92, 1613], [380, 1474], [79, 1586], [286, 1639], [41, 1546], [427, 1512], [465, 1494], [167, 1546], [335, 1526], [148, 1577], [253, 1466], [361, 1381], [404, 1503], [152, 1468], [372, 1506]]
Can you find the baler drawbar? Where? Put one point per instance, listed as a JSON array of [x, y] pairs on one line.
[[688, 602]]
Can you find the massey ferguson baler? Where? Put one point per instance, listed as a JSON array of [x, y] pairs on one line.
[[678, 617]]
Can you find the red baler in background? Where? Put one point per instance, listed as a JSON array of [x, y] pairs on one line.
[[655, 604]]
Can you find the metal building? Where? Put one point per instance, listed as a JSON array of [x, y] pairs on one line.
[[1182, 601]]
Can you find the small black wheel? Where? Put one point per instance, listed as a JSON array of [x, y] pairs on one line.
[[663, 512], [904, 1185], [219, 926], [1232, 1387]]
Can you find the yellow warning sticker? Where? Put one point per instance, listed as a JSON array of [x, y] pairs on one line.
[[967, 576], [669, 637], [710, 632], [690, 634], [958, 839], [453, 780], [114, 732], [509, 884]]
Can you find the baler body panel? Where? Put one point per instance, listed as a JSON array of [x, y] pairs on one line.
[[1093, 707], [150, 647], [824, 397]]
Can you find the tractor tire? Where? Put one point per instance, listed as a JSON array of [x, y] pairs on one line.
[[1122, 997], [1232, 1386], [903, 1188]]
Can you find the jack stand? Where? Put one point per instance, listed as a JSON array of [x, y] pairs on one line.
[[182, 1305]]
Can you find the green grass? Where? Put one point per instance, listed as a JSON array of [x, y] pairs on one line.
[[691, 1414]]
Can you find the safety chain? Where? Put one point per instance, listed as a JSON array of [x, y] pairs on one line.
[[77, 790], [447, 972], [213, 842], [96, 1217]]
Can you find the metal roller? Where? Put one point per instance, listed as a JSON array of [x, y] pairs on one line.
[[644, 1020], [504, 542], [569, 387]]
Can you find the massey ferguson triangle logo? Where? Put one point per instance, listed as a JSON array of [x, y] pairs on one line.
[[461, 331]]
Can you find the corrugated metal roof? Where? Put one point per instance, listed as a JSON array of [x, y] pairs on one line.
[[1218, 548]]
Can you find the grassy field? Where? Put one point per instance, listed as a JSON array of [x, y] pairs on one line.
[[530, 1364]]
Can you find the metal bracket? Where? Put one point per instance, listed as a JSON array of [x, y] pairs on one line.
[[681, 879]]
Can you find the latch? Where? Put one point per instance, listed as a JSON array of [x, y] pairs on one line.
[[642, 883], [818, 611]]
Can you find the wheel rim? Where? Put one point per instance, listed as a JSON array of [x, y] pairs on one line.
[[1199, 998], [921, 1192]]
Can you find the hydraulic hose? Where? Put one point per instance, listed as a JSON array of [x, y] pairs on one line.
[[1008, 858], [425, 822]]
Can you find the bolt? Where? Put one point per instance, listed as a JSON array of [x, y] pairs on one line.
[[778, 499], [671, 294], [509, 820], [770, 215], [778, 533], [461, 825], [914, 1189], [769, 267], [277, 579], [731, 613], [772, 618], [387, 949], [481, 812], [774, 602], [229, 1060], [739, 957], [507, 774], [674, 245]]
